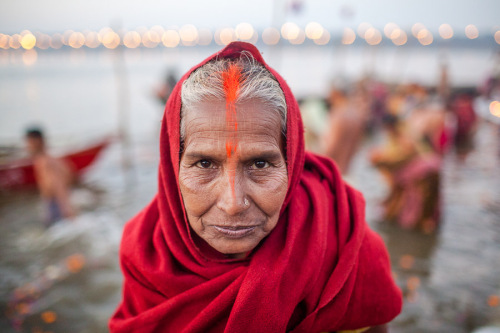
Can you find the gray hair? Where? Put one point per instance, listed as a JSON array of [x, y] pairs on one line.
[[206, 82]]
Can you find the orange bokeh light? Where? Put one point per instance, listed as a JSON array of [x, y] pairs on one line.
[[76, 40], [425, 37], [497, 37], [348, 37], [75, 263], [271, 36], [132, 39], [493, 301], [4, 41], [170, 38], [92, 39], [15, 41], [445, 31], [471, 31], [495, 108], [290, 31], [49, 317]]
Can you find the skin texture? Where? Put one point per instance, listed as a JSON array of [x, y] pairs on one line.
[[233, 222]]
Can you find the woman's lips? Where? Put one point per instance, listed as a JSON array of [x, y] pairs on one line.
[[235, 232]]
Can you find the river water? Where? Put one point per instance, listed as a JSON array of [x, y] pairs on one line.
[[67, 278]]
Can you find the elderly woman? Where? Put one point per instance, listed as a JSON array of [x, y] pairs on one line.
[[248, 232]]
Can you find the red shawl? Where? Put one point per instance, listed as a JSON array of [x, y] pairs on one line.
[[321, 269]]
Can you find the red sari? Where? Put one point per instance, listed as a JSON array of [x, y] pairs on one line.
[[321, 268]]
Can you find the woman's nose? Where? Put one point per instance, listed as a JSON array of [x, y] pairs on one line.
[[233, 199]]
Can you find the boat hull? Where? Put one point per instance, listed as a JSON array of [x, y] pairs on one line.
[[21, 173]]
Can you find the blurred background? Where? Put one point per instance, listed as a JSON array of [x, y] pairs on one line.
[[405, 96]]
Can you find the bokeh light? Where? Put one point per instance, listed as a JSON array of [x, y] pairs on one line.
[[445, 31], [497, 37], [324, 39], [471, 31], [42, 41], [416, 28], [373, 36], [132, 39], [171, 38], [389, 29], [413, 283], [425, 37], [28, 41], [271, 36], [65, 36], [49, 317], [406, 261], [4, 41], [495, 108], [290, 31], [399, 37], [92, 39], [363, 28], [348, 36], [299, 39], [314, 30], [151, 39], [226, 36], [110, 39], [244, 31], [56, 41], [76, 40], [15, 41], [103, 32], [189, 35], [493, 301], [75, 263]]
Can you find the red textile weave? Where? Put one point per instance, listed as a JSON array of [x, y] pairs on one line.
[[321, 269]]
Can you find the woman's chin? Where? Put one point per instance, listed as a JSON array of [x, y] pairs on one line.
[[234, 248]]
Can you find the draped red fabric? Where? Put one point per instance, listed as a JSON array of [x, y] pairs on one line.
[[321, 269]]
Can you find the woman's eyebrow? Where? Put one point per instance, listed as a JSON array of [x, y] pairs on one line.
[[265, 155], [198, 155]]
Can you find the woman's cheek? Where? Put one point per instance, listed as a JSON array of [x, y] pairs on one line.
[[269, 190], [270, 181], [195, 179], [195, 188]]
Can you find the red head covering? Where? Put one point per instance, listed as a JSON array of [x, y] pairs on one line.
[[321, 268]]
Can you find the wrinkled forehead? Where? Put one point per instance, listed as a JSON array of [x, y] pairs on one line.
[[209, 118]]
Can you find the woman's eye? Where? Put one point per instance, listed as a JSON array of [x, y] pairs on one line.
[[260, 164], [204, 164]]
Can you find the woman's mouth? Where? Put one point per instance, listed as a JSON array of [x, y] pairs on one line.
[[235, 232]]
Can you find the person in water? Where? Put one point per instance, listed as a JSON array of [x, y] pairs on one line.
[[249, 232], [53, 177], [412, 170]]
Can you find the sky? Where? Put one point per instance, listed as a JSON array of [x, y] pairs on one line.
[[59, 15]]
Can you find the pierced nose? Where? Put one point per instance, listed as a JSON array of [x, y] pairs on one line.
[[246, 202]]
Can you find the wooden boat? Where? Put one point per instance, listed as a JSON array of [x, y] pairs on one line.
[[20, 172]]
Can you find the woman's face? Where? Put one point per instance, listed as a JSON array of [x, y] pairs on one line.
[[233, 198]]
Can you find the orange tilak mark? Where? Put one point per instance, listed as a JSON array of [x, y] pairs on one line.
[[231, 78], [231, 81]]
